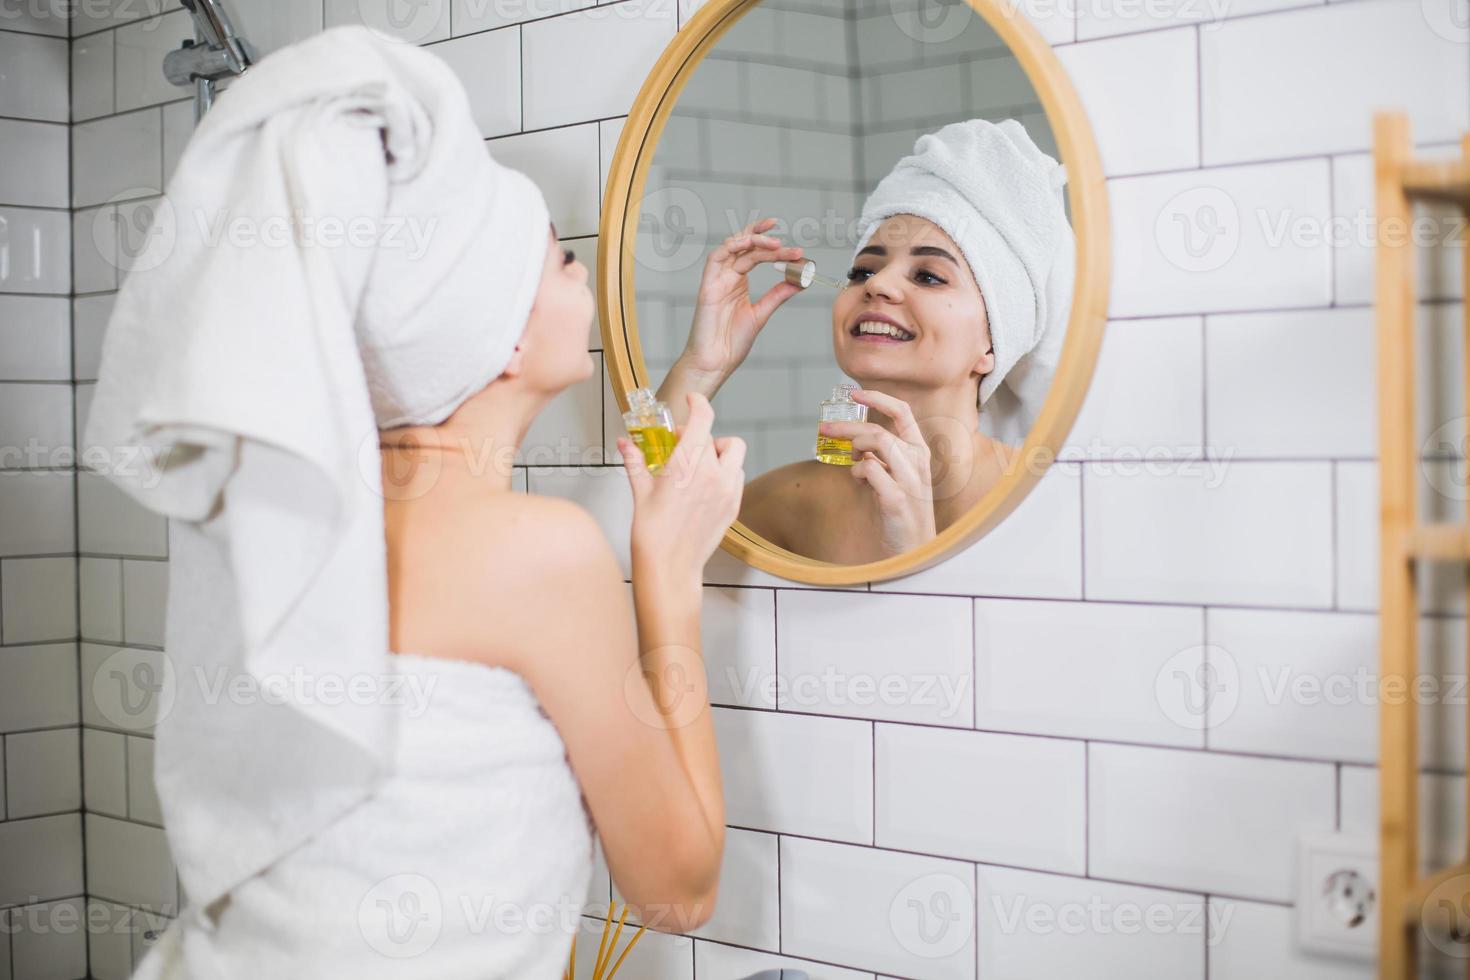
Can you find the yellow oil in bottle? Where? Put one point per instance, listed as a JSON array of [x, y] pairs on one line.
[[838, 452], [839, 408], [656, 443]]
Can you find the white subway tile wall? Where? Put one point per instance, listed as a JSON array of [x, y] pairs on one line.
[[927, 782]]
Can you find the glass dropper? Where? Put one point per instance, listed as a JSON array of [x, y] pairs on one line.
[[803, 273]]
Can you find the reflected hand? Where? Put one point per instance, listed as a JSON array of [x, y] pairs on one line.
[[726, 322], [896, 466]]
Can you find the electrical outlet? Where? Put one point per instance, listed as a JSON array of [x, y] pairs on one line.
[[1337, 895]]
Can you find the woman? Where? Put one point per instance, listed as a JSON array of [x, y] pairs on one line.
[[402, 697], [959, 289]]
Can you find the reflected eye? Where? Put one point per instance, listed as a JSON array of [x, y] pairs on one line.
[[568, 257]]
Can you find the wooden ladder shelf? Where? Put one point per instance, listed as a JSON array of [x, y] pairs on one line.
[[1410, 902]]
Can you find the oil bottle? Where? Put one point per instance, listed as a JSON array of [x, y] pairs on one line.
[[650, 424], [839, 408]]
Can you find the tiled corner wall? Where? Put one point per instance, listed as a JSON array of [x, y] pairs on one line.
[[929, 777], [41, 873]]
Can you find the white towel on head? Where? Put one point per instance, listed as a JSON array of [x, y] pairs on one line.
[[1000, 198], [253, 371]]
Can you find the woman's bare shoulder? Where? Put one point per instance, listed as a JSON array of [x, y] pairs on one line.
[[482, 578], [538, 534]]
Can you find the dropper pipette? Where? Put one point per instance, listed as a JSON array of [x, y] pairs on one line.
[[803, 273]]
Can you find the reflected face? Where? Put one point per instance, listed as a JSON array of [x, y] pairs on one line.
[[912, 313]]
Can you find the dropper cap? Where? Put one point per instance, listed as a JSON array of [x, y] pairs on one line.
[[803, 273]]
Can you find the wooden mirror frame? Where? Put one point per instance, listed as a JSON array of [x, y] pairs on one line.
[[1086, 192]]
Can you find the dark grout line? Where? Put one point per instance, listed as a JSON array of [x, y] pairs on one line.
[[1200, 750]]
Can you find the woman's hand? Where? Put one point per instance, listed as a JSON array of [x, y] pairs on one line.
[[725, 320], [681, 513], [896, 466]]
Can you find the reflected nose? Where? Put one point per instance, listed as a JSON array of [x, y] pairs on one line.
[[885, 283]]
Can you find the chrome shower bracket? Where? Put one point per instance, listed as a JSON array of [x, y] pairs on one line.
[[216, 52]]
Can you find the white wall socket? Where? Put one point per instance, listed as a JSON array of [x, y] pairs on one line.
[[1337, 895]]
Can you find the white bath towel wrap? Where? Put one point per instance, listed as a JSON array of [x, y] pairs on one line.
[[336, 252]]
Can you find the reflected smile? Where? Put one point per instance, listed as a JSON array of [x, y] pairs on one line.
[[879, 328]]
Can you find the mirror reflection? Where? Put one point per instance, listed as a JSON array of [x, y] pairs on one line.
[[854, 240]]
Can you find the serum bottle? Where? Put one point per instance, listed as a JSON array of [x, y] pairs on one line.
[[839, 408], [651, 426]]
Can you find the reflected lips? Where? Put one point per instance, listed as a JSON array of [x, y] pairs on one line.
[[880, 338]]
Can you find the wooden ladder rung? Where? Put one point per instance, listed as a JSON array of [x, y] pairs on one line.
[[1447, 180], [1445, 541], [1451, 889]]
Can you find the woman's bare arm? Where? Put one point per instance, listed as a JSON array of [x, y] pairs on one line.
[[634, 714]]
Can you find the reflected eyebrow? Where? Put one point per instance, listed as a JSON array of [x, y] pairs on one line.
[[934, 250]]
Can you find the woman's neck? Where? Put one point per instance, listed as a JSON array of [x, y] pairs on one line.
[[478, 441]]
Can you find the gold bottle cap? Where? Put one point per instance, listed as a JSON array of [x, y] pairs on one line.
[[801, 273]]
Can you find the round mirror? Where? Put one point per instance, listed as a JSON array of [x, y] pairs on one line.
[[875, 236]]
